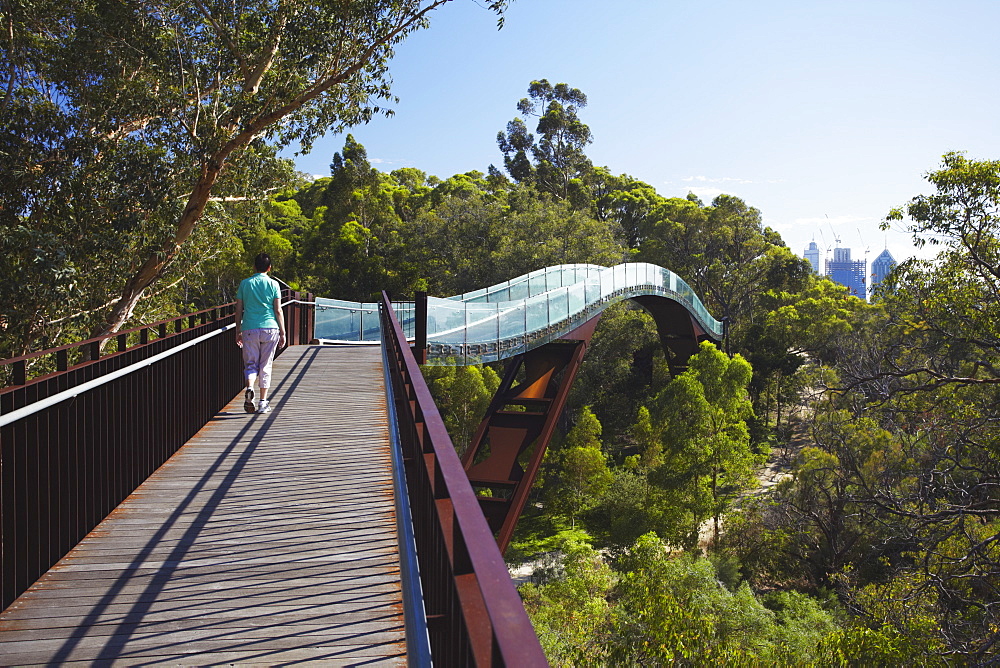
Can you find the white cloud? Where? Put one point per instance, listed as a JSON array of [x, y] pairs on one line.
[[729, 179], [391, 163], [706, 193]]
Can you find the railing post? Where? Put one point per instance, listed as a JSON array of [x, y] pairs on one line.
[[420, 327], [309, 319], [20, 373]]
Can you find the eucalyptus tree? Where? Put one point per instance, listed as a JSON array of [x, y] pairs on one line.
[[701, 416], [558, 152], [581, 475], [897, 504], [132, 117], [626, 202]]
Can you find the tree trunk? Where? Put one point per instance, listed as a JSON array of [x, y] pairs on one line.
[[777, 404], [158, 261], [715, 498]]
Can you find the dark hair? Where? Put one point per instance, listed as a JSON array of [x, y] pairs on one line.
[[262, 262]]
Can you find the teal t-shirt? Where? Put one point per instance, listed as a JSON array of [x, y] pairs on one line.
[[258, 294]]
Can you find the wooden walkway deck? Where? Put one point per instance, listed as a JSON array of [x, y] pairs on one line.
[[267, 539]]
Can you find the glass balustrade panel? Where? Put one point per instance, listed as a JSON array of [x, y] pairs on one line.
[[482, 324], [512, 320], [577, 296], [445, 321], [606, 279], [621, 278], [519, 291], [558, 305], [537, 313], [337, 320], [371, 330], [536, 285]]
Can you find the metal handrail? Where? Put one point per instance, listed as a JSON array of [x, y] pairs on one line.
[[99, 339], [418, 646], [163, 329], [76, 442], [475, 616], [52, 400]]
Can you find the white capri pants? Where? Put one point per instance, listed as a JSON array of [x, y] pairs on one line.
[[259, 346]]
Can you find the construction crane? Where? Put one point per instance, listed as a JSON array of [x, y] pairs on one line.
[[835, 237], [826, 247], [867, 248]]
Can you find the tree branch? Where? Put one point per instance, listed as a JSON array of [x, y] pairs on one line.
[[224, 35]]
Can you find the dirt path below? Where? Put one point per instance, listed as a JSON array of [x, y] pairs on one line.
[[778, 467]]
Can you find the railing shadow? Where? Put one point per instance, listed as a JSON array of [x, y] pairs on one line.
[[235, 518]]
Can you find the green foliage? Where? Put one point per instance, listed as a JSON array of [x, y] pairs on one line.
[[570, 612], [559, 157], [893, 504], [632, 506], [662, 608], [462, 395], [802, 624], [672, 609], [581, 473], [629, 204], [128, 122], [623, 370], [701, 416], [648, 439], [864, 646]]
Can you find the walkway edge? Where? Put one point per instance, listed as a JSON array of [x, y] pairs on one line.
[[418, 642]]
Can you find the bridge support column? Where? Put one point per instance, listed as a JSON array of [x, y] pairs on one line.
[[509, 445]]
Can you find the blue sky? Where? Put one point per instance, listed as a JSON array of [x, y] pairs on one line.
[[823, 115]]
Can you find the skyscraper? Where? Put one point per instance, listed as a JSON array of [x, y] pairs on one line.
[[812, 254], [850, 273], [881, 266]]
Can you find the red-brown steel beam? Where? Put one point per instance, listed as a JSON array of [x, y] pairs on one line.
[[506, 437], [507, 448]]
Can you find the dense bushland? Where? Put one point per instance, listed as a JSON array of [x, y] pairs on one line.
[[652, 541]]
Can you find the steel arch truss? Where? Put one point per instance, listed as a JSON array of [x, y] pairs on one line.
[[503, 459]]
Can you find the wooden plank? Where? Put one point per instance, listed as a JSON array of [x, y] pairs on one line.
[[265, 539]]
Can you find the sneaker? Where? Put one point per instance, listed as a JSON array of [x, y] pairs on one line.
[[264, 407], [248, 401]]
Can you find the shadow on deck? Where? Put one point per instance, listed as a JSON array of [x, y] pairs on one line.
[[265, 539]]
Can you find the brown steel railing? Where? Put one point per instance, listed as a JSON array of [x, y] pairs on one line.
[[76, 440], [474, 615]]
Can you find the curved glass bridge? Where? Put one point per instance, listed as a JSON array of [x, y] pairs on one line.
[[515, 316]]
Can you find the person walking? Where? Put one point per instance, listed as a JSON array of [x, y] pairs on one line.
[[260, 330]]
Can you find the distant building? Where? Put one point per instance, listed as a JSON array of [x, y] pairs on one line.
[[812, 254], [881, 266], [850, 273]]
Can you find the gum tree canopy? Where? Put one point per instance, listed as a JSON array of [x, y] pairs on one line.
[[123, 119]]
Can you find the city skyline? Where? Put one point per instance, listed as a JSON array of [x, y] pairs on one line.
[[851, 273]]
